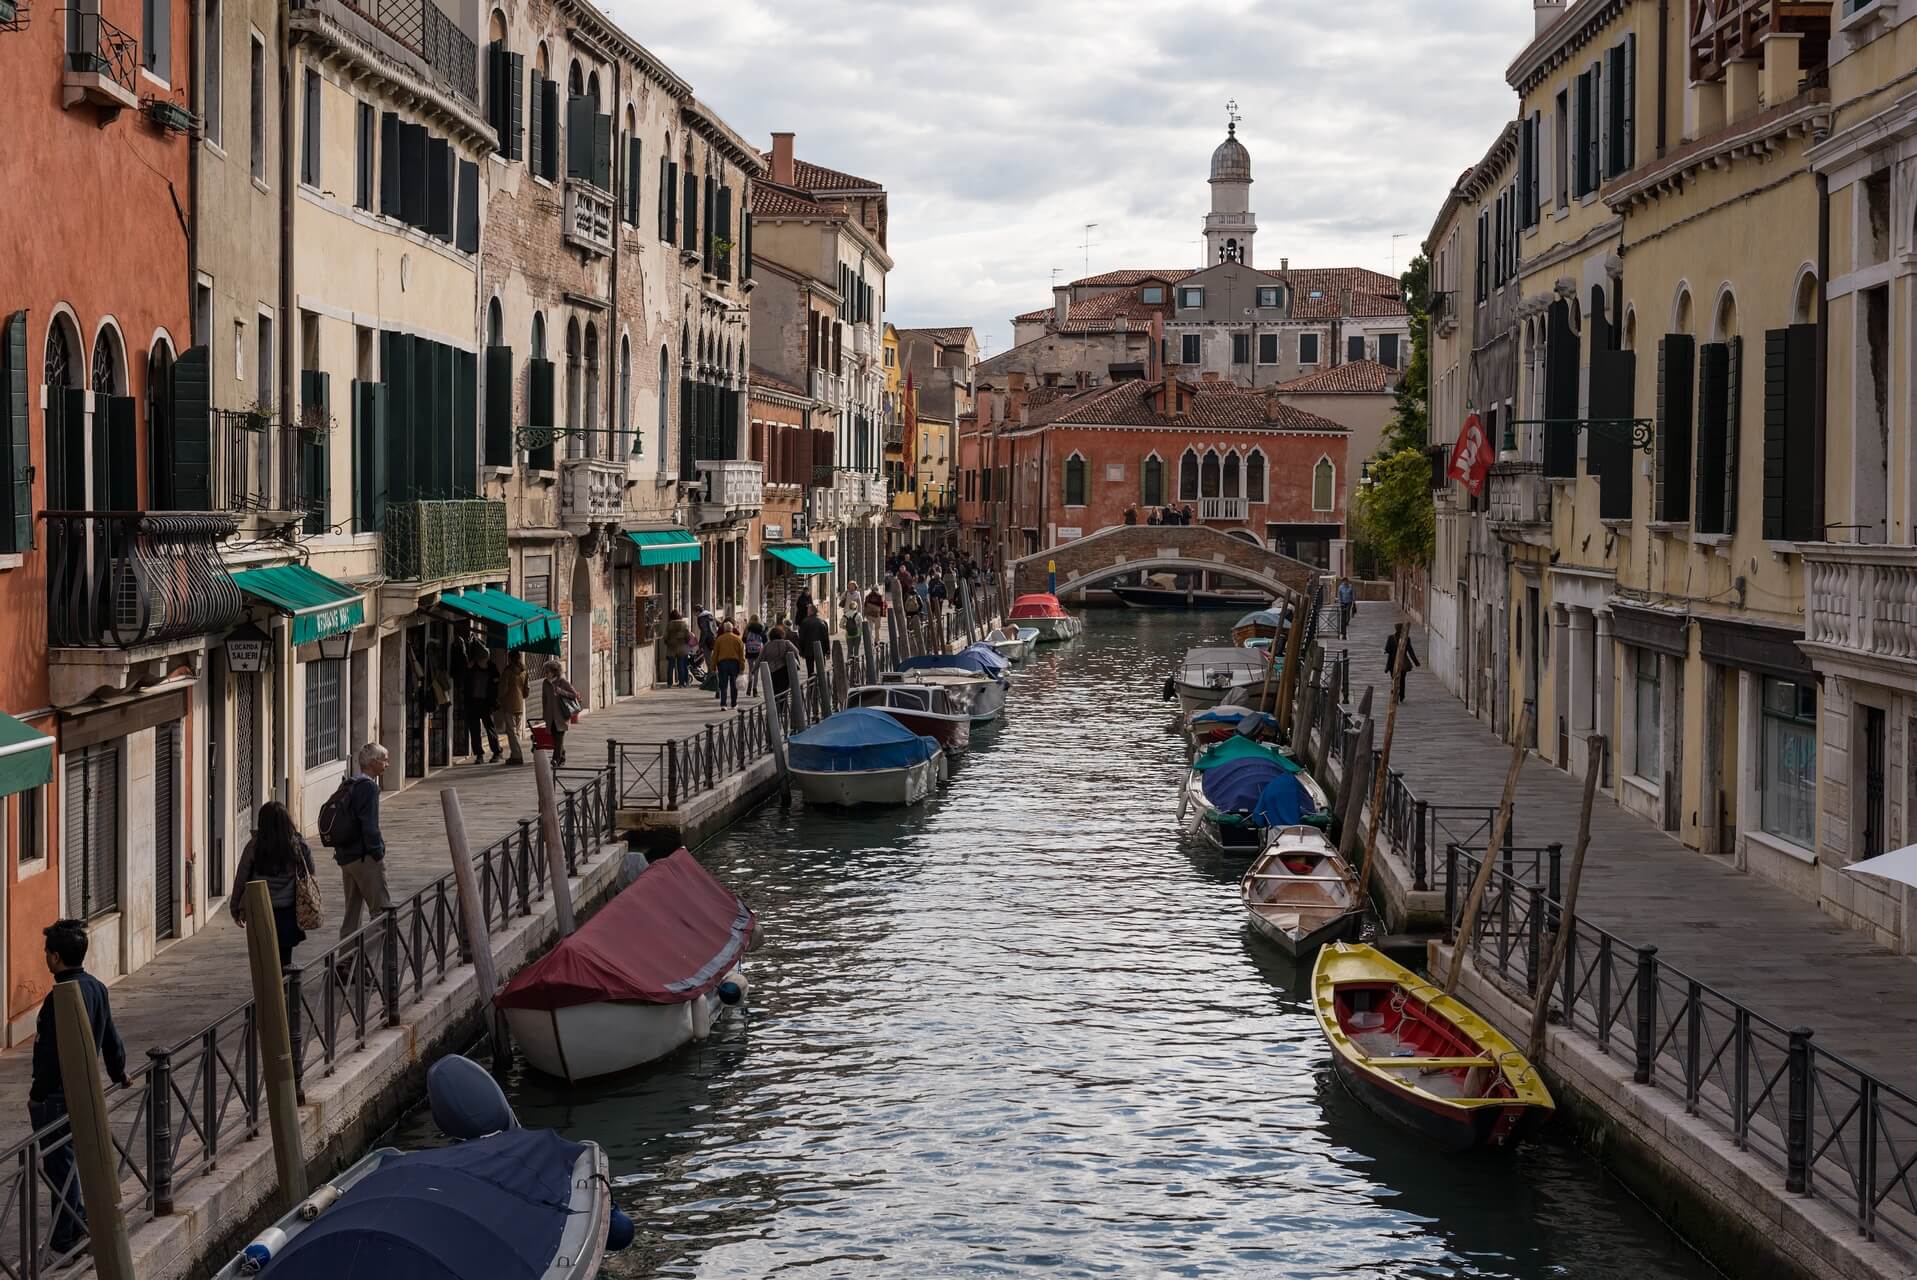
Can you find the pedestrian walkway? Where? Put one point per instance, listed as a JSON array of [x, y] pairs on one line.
[[195, 980], [1738, 933]]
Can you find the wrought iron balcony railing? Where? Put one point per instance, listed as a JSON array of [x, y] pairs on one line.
[[102, 62], [433, 541], [121, 579], [424, 29]]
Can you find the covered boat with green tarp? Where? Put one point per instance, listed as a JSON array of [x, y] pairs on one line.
[[1239, 789]]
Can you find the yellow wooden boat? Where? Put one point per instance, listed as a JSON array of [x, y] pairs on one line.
[[1418, 1056]]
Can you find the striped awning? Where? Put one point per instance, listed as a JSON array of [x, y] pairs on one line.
[[319, 606], [26, 757], [803, 560], [665, 546], [520, 624]]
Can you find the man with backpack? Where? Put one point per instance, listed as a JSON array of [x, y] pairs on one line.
[[349, 826]]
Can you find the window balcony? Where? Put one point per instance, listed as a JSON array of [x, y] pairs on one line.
[[1861, 601], [588, 217], [828, 389], [1520, 501], [591, 491], [731, 488], [438, 541], [102, 62], [130, 594], [420, 28], [255, 467], [1224, 509], [823, 505], [862, 340]]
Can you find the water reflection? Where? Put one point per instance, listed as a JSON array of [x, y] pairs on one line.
[[1022, 1030]]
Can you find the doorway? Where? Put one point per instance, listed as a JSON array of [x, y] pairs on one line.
[[1530, 659]]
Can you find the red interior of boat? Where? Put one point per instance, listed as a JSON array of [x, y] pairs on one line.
[[1386, 1022], [1299, 864]]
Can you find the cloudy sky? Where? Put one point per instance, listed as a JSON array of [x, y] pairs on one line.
[[999, 129]]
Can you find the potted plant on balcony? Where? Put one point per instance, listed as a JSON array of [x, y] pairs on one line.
[[720, 248], [257, 416]]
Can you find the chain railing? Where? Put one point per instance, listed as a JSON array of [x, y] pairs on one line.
[[195, 1100], [1831, 1129]]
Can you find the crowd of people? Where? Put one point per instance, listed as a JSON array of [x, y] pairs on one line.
[[1161, 515]]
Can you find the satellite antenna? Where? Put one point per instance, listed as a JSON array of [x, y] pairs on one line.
[[1089, 227]]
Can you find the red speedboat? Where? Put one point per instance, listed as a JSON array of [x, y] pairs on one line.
[[1044, 612]]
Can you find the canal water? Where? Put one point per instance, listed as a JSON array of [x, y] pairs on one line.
[[1021, 1030]]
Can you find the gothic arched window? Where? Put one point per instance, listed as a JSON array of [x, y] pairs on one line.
[[1188, 477], [1153, 474], [1324, 485], [1231, 475], [1255, 476], [1208, 475], [1075, 481]]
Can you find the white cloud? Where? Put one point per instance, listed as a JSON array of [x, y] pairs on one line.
[[999, 129]]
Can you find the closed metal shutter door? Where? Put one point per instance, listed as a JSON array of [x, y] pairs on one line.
[[246, 748], [91, 827], [166, 781]]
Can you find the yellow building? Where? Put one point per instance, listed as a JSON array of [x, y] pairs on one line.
[[1860, 566]]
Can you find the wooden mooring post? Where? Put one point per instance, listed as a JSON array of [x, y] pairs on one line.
[[473, 915], [1596, 747], [1499, 828]]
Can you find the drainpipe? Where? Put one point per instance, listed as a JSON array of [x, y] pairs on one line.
[[1819, 530], [1663, 73]]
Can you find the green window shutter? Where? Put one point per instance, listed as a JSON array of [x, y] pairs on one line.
[[316, 488], [66, 450], [602, 152], [712, 221], [16, 451], [468, 241], [397, 364], [514, 144], [1613, 378], [499, 406], [538, 131], [1800, 438], [725, 231], [439, 188], [549, 119], [1560, 393], [635, 152], [668, 199], [745, 257], [432, 419], [122, 452], [690, 192], [391, 198], [413, 199], [1676, 357], [539, 409], [1776, 428], [465, 424], [369, 472], [1713, 369], [579, 129], [1733, 422]]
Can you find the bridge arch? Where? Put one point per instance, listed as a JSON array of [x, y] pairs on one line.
[[1121, 550]]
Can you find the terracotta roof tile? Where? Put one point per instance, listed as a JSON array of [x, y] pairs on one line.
[[769, 201], [1207, 404], [1342, 291], [1339, 288], [1351, 376], [773, 382], [950, 336], [1135, 275], [816, 177]]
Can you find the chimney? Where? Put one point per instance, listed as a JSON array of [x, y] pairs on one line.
[[1284, 264], [983, 413], [1155, 357], [1061, 304], [782, 167], [1546, 12], [1015, 382]]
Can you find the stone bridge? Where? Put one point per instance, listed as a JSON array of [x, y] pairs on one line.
[[1138, 548]]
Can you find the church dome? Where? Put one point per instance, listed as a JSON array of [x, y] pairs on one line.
[[1231, 162]]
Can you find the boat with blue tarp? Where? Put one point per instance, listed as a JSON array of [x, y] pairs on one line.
[[976, 678], [1240, 789], [863, 756]]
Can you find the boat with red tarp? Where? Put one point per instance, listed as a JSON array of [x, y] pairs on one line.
[[1415, 1055], [1044, 612], [644, 976]]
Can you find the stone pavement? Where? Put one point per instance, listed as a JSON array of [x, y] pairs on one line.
[[195, 980], [1738, 933]]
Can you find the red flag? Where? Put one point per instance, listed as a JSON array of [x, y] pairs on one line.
[[1471, 457]]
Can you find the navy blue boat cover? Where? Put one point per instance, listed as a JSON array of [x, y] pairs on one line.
[[859, 738], [1236, 785], [979, 660], [486, 1210], [1283, 803]]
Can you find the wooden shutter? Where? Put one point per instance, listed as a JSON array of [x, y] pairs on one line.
[[538, 130], [579, 126], [465, 424], [1733, 427], [745, 231], [514, 143], [1676, 357], [1613, 81], [1628, 85], [439, 188], [369, 470], [724, 229], [1790, 425], [499, 406], [712, 225], [90, 829], [689, 237], [166, 803], [396, 363], [1560, 393], [66, 449], [539, 410], [1355, 347], [310, 128], [602, 152], [433, 420], [1613, 383], [665, 199], [549, 125], [121, 455], [391, 202], [1526, 160], [316, 486], [413, 198], [634, 153], [1713, 360], [16, 449], [468, 239]]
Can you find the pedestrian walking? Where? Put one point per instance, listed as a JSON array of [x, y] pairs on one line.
[[728, 657], [349, 826], [1347, 605], [482, 696], [754, 646], [813, 632], [279, 855], [777, 646], [708, 627], [511, 705], [1399, 635], [678, 642], [849, 605], [560, 702]]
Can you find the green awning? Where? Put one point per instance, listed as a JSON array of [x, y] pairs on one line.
[[665, 546], [803, 561], [26, 757], [319, 606], [522, 625]]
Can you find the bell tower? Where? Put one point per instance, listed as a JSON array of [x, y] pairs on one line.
[[1231, 226]]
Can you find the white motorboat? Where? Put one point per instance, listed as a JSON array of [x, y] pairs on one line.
[[864, 756], [981, 696], [1204, 675], [929, 709], [1299, 893], [645, 975], [1018, 647]]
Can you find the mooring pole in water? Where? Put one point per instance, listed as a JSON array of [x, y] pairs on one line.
[[1499, 830], [91, 1129], [895, 619], [841, 679], [1382, 773], [1352, 796], [795, 693], [275, 1043], [1307, 709], [478, 940], [1596, 746], [549, 831]]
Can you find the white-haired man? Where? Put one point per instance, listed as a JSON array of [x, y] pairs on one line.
[[359, 848]]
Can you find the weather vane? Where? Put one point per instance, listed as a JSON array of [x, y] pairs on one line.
[[1231, 112]]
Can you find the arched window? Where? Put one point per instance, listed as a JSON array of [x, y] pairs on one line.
[[1075, 481], [104, 373], [592, 89], [665, 402], [1255, 476], [538, 336], [576, 80], [1208, 475], [1804, 298], [1188, 477], [1231, 475], [495, 324], [1152, 472], [1324, 486], [626, 439], [574, 404], [589, 444], [65, 418]]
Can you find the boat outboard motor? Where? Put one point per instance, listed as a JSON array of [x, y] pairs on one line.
[[467, 1102]]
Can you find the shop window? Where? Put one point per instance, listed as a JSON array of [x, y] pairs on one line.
[[1787, 778], [1646, 755]]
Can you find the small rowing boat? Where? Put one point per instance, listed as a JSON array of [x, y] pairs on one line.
[[1415, 1055], [1299, 893], [1044, 612], [1264, 624], [975, 678]]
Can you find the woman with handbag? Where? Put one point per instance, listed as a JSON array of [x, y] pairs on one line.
[[279, 855], [560, 702]]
